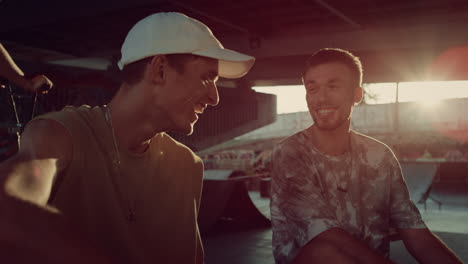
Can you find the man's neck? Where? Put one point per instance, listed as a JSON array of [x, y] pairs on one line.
[[132, 134], [333, 142]]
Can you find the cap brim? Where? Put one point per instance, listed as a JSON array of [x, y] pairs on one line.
[[232, 64]]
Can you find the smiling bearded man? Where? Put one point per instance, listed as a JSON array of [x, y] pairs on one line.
[[335, 192]]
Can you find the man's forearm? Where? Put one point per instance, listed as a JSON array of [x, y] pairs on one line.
[[10, 71], [426, 247], [29, 180], [35, 232], [351, 246]]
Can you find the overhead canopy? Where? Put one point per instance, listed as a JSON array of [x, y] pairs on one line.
[[396, 39]]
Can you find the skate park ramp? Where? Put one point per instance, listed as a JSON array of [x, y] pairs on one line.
[[445, 183], [419, 177], [450, 184], [225, 198]]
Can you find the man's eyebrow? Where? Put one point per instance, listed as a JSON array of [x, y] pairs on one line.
[[334, 80], [212, 75]]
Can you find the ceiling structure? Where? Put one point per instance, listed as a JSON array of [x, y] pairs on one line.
[[397, 40]]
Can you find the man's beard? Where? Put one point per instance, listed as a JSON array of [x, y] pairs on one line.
[[326, 126]]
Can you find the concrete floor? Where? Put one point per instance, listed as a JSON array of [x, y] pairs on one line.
[[254, 247], [235, 245]]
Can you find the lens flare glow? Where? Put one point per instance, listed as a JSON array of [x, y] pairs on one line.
[[291, 98]]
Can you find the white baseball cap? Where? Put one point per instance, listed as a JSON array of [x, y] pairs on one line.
[[171, 33]]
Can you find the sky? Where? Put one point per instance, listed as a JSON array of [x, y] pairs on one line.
[[292, 98]]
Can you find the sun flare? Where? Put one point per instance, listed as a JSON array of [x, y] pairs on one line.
[[291, 98]]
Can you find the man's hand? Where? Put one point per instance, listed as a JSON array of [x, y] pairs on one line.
[[37, 84], [40, 84]]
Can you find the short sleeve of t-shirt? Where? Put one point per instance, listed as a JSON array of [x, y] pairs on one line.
[[403, 212]]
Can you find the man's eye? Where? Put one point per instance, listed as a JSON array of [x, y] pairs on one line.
[[311, 89]]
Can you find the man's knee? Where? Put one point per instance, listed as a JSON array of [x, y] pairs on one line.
[[322, 252]]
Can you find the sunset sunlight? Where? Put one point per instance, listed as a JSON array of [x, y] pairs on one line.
[[292, 98]]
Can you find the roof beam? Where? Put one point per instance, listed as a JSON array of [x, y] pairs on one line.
[[338, 13], [215, 19], [306, 40]]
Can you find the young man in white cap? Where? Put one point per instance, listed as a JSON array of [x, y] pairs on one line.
[[113, 170]]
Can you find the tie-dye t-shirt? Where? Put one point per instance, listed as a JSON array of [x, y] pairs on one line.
[[362, 192]]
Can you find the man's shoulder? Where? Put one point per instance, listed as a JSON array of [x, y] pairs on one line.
[[80, 122], [368, 142], [371, 149], [177, 148], [292, 142], [69, 113]]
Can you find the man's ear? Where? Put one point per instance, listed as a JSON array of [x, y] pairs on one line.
[[155, 70], [358, 94]]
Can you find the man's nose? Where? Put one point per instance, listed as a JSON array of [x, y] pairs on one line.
[[213, 96], [322, 94]]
